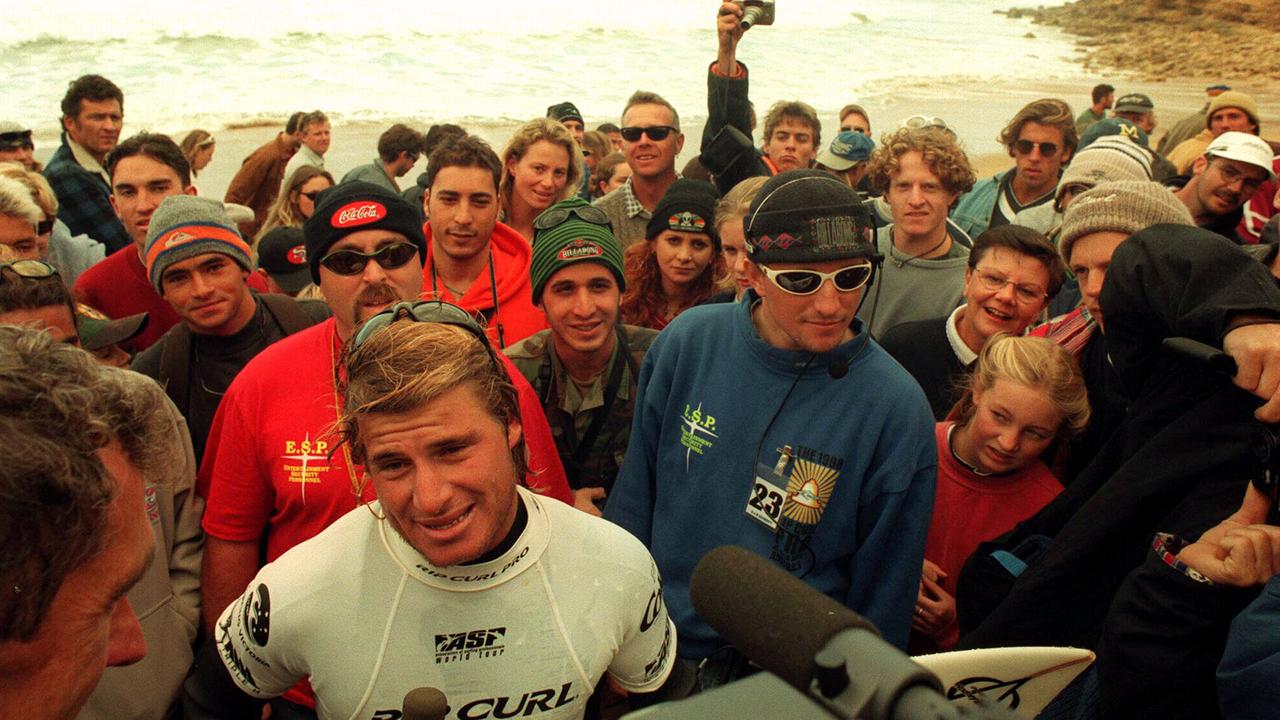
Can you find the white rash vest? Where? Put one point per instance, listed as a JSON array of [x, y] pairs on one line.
[[529, 634]]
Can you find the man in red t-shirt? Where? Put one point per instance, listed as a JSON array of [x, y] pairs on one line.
[[274, 474], [144, 170]]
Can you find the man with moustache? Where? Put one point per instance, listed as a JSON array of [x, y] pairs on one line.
[[792, 131], [585, 367], [273, 474], [200, 265], [651, 140], [145, 169], [1223, 179], [92, 115]]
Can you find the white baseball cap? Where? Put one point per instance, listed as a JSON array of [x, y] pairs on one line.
[[1243, 147]]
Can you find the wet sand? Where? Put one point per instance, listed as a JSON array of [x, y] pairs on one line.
[[975, 110]]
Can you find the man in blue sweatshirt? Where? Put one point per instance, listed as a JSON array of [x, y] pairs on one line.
[[777, 424]]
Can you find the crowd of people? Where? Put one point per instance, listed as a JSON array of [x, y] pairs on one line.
[[475, 432]]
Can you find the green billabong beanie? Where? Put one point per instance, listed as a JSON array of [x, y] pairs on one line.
[[573, 240], [184, 226], [1124, 207]]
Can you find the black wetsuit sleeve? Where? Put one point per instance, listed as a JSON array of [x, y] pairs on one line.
[[209, 693]]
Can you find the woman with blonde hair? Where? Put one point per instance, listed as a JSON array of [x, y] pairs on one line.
[[53, 240], [733, 242], [297, 200], [197, 147], [1025, 393], [541, 165], [679, 263]]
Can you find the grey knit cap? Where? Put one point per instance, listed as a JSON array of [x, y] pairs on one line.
[[185, 226], [1125, 207], [1107, 159]]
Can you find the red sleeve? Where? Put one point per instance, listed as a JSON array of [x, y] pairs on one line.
[[239, 497], [546, 474]]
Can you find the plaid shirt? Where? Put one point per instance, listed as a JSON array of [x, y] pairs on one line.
[[83, 200], [633, 205]]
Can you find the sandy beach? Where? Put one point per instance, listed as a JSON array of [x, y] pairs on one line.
[[976, 111]]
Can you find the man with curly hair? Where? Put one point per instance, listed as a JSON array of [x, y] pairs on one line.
[[921, 172], [1041, 139]]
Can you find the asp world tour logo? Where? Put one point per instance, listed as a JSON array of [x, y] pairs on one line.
[[470, 645]]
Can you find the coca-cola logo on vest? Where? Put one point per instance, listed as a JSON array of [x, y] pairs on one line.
[[360, 212]]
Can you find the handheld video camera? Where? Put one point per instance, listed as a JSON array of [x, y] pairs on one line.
[[756, 12]]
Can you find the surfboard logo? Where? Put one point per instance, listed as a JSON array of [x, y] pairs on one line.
[[971, 687]]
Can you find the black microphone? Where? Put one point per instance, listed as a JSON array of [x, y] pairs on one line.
[[425, 703], [811, 641], [838, 368]]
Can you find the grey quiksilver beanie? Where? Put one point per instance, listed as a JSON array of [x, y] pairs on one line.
[[184, 226], [1124, 207]]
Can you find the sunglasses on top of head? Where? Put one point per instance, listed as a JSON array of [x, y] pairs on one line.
[[353, 262], [656, 133], [807, 282]]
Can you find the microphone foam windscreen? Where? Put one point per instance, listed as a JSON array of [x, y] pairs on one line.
[[425, 703], [776, 620]]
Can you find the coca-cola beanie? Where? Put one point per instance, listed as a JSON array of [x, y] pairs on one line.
[[572, 240], [184, 226], [807, 216], [354, 206]]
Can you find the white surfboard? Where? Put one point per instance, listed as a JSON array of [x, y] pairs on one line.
[[1023, 679]]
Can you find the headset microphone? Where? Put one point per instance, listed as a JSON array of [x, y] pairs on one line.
[[838, 368]]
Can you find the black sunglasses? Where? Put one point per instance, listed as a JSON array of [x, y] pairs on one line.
[[29, 269], [555, 215], [656, 133], [1024, 147], [313, 194], [44, 227], [352, 262]]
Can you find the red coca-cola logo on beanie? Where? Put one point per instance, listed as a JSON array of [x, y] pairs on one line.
[[360, 212], [297, 255]]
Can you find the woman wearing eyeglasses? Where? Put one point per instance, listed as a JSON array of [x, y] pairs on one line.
[[541, 165], [297, 201], [1012, 273], [679, 263]]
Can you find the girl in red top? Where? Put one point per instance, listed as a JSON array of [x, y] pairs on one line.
[[679, 264], [1024, 393]]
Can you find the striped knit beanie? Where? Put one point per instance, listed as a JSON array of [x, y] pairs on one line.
[[185, 226], [572, 240], [1123, 207]]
